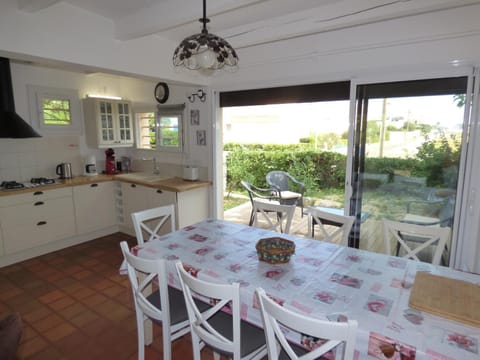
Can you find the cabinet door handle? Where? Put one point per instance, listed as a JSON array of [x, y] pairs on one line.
[[159, 191], [41, 223], [93, 185], [39, 203], [38, 193], [133, 185]]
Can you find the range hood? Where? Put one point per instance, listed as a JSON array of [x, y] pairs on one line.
[[11, 124]]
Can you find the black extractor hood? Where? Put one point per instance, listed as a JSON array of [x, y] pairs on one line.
[[11, 124]]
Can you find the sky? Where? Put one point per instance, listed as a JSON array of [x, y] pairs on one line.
[[333, 117]]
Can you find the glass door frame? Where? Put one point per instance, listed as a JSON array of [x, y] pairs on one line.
[[467, 143]]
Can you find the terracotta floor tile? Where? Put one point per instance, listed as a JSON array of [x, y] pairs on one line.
[[52, 296], [27, 333], [59, 332], [49, 353], [82, 274], [31, 347], [72, 310], [113, 291], [10, 293], [47, 323], [83, 293], [61, 303], [37, 314], [94, 300], [84, 318]]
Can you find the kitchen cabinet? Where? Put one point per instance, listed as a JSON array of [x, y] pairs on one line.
[[94, 206], [190, 206], [138, 197], [37, 218], [108, 123]]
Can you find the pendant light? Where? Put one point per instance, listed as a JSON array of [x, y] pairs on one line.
[[204, 51]]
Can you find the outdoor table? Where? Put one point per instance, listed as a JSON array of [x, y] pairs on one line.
[[325, 281]]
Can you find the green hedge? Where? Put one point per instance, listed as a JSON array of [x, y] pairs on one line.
[[323, 169]]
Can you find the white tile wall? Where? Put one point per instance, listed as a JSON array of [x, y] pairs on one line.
[[22, 159]]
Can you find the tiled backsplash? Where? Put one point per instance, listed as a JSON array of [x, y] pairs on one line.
[[22, 159]]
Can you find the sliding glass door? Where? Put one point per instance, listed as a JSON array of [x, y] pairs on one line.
[[406, 155]]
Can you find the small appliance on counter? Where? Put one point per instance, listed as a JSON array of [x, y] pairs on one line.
[[110, 167], [126, 164], [190, 173], [90, 166], [64, 170]]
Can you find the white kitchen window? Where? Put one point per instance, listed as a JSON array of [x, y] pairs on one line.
[[55, 110], [161, 130]]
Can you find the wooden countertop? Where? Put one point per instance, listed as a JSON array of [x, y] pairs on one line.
[[174, 184]]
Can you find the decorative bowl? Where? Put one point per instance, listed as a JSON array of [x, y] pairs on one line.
[[275, 250]]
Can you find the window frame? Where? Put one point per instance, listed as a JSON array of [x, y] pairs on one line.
[[36, 95], [162, 111]]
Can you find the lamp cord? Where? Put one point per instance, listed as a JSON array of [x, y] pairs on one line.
[[204, 20]]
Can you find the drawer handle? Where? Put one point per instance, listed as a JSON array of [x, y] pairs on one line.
[[41, 223], [38, 193], [133, 185], [39, 203], [93, 185], [159, 192]]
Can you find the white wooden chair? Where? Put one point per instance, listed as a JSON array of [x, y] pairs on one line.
[[325, 220], [225, 333], [338, 336], [277, 217], [165, 305], [151, 223], [413, 239]]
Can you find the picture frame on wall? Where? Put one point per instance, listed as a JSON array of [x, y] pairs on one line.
[[201, 137], [195, 117]]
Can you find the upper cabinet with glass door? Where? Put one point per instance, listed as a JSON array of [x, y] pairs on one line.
[[108, 123]]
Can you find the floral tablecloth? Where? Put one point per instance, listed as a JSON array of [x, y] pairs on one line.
[[324, 280]]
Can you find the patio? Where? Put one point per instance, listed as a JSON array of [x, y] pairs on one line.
[[371, 228]]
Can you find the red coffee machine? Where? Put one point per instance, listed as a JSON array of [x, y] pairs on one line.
[[110, 161]]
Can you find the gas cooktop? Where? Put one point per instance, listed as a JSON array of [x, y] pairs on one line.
[[34, 182]]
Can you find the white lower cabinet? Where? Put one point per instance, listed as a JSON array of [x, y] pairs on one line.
[[137, 198], [94, 206], [191, 206], [35, 219]]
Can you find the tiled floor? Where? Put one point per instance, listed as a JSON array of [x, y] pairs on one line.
[[75, 305]]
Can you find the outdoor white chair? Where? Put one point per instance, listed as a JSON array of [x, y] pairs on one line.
[[275, 217], [324, 220], [165, 305], [410, 240], [151, 223], [224, 333], [338, 336]]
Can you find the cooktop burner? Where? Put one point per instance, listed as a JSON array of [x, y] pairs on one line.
[[34, 182], [42, 181], [8, 185]]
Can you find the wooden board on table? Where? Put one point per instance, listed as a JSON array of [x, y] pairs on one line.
[[449, 298]]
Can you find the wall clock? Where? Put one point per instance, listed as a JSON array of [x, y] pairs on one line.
[[161, 92]]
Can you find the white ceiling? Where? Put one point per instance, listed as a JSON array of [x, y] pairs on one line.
[[244, 23]]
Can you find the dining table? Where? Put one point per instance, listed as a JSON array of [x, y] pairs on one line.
[[325, 281]]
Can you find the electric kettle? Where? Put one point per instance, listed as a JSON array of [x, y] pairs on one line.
[[64, 171]]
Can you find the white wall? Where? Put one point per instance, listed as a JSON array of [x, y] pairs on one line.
[[21, 159]]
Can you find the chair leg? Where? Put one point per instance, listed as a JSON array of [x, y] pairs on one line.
[[196, 347], [167, 346], [140, 335], [252, 216]]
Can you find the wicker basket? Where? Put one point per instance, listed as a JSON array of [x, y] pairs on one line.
[[275, 250]]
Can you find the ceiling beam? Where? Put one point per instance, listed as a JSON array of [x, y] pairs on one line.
[[32, 6]]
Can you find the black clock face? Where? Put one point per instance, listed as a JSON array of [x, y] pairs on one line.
[[161, 92]]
